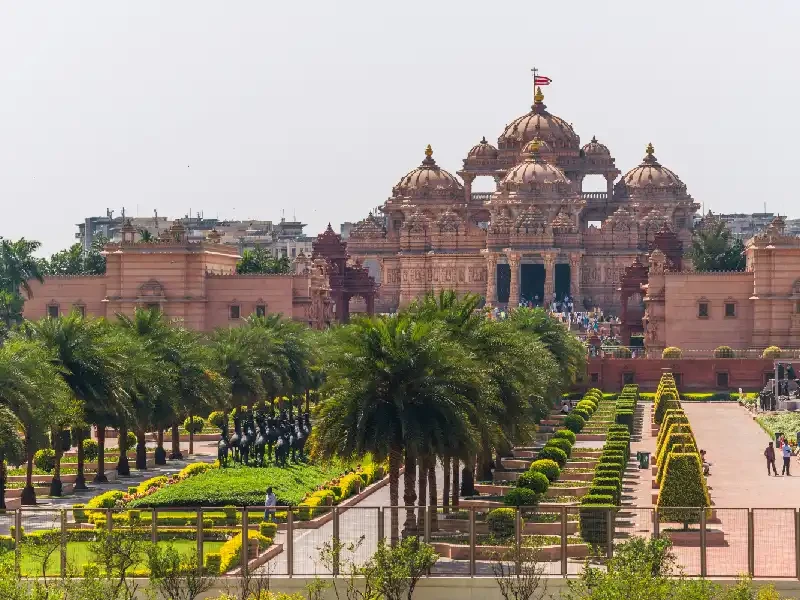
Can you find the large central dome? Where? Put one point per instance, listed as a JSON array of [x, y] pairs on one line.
[[539, 123]]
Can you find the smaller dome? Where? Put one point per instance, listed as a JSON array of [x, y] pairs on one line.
[[428, 177], [483, 149], [651, 175], [534, 170], [595, 148], [368, 228]]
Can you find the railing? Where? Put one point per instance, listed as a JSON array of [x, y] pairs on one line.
[[719, 542], [481, 196], [627, 352], [594, 195]]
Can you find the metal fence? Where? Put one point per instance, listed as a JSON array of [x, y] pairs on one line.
[[718, 542]]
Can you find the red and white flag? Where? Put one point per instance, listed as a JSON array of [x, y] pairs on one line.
[[541, 80]]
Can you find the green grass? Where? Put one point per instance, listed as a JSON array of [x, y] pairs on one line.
[[79, 555], [787, 423], [240, 486]]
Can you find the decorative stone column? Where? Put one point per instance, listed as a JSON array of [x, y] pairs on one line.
[[549, 275], [468, 179], [610, 185], [491, 277], [575, 264], [514, 259]]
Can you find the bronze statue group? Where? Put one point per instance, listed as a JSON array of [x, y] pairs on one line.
[[256, 436]]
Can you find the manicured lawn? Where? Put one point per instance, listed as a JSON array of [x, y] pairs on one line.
[[240, 486], [787, 423], [79, 555]]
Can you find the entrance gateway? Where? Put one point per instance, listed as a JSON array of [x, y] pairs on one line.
[[532, 279]]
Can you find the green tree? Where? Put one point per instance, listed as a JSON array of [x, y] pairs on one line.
[[260, 260], [715, 249], [18, 266], [394, 384], [75, 261], [12, 450], [234, 356]]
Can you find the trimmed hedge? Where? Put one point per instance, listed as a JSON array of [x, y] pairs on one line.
[[533, 480], [669, 400], [594, 513], [583, 414], [613, 482], [625, 417], [574, 422], [671, 352], [553, 453], [548, 467], [502, 522], [521, 496], [771, 352], [561, 443], [723, 352], [565, 434], [683, 486]]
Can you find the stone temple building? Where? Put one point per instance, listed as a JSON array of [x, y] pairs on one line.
[[538, 235]]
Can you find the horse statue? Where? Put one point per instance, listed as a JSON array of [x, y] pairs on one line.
[[272, 436], [299, 440], [236, 439], [282, 446], [222, 447], [248, 436]]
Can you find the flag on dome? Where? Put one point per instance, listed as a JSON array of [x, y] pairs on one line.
[[541, 80]]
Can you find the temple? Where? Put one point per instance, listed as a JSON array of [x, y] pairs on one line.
[[538, 236], [195, 282]]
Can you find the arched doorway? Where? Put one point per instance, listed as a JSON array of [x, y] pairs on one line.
[[532, 287], [561, 280]]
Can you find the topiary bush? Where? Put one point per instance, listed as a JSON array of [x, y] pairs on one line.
[[583, 414], [574, 422], [560, 443], [553, 453], [502, 521], [723, 352], [90, 450], [668, 401], [534, 481], [771, 352], [586, 405], [621, 352], [45, 459], [194, 425], [130, 441], [625, 417], [548, 467], [613, 482], [682, 486], [565, 434], [217, 419], [594, 519], [520, 496], [672, 352]]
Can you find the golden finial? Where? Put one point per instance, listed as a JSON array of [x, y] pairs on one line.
[[650, 150], [539, 95], [535, 145], [429, 151]]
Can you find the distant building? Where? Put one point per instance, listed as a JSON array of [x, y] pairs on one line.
[[746, 225], [285, 238]]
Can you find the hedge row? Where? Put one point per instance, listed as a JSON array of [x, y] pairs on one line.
[[626, 406]]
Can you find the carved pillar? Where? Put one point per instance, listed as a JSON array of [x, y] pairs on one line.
[[575, 264], [468, 179], [610, 185], [549, 272], [491, 278], [514, 259], [370, 298]]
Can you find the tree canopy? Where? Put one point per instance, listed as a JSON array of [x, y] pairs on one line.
[[260, 260], [716, 249]]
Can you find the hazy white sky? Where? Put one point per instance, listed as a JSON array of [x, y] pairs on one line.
[[244, 109]]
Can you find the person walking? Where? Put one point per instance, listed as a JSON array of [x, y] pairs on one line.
[[786, 449], [271, 502], [770, 454]]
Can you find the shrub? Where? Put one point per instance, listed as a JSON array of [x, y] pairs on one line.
[[672, 352], [622, 352], [671, 417], [553, 453], [212, 563], [133, 489], [682, 486], [194, 469], [153, 482], [502, 521], [587, 406], [217, 419], [723, 352], [594, 513], [194, 424], [533, 480], [521, 496], [90, 450], [106, 499], [613, 482], [560, 443], [565, 434], [668, 401], [130, 441], [79, 513], [574, 422], [771, 352], [230, 554], [625, 417], [45, 459], [603, 490], [580, 413], [230, 514], [268, 529], [548, 467]]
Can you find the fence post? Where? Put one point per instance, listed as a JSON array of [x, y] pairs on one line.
[[751, 542], [63, 543], [109, 520], [656, 524], [381, 535], [154, 526], [518, 540], [610, 533], [797, 542], [289, 541], [564, 541], [200, 540], [17, 538], [336, 547], [703, 547], [245, 542], [472, 541], [426, 523]]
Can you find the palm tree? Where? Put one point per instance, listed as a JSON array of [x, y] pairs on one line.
[[234, 356], [30, 387], [145, 237], [18, 265], [393, 383], [12, 451], [714, 248]]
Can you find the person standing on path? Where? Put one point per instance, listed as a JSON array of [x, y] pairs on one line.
[[269, 505], [786, 449], [770, 454]]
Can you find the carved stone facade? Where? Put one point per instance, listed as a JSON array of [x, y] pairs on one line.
[[538, 235]]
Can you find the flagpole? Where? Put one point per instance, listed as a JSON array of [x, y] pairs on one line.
[[534, 70]]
